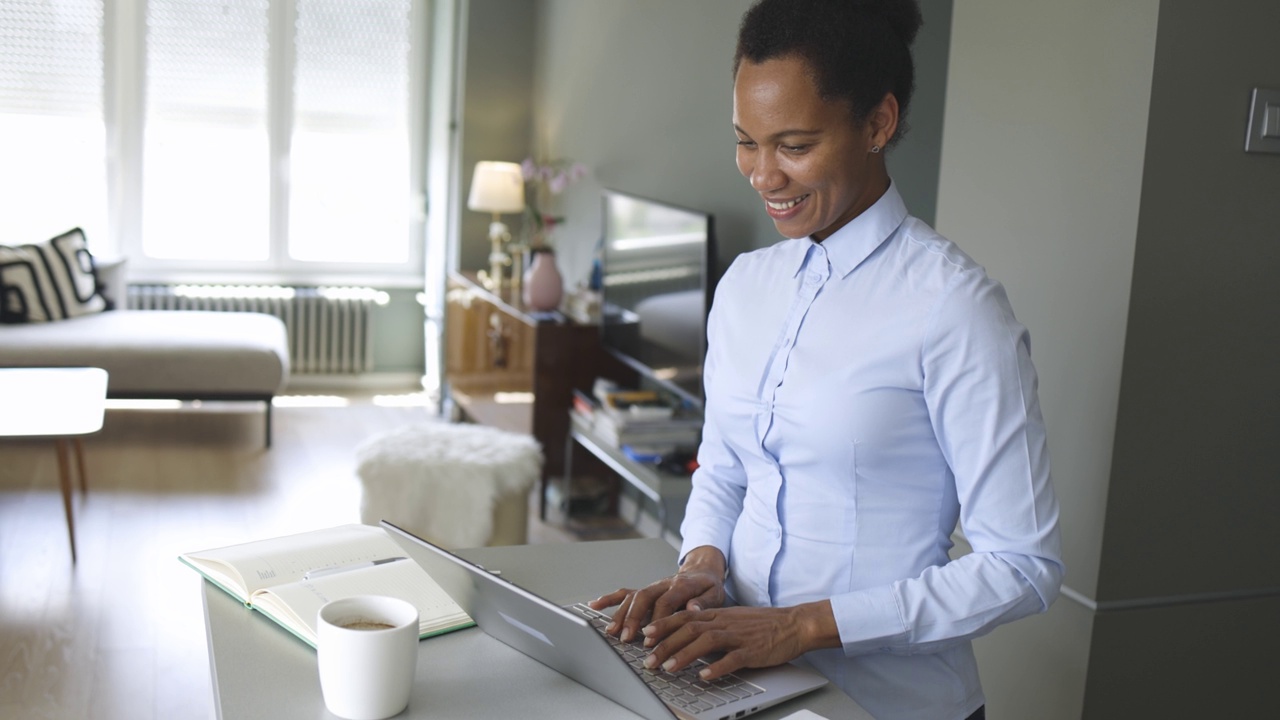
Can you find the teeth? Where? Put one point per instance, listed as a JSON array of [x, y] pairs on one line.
[[785, 205]]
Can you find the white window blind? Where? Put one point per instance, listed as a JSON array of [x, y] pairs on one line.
[[206, 175], [52, 138], [241, 135], [351, 114]]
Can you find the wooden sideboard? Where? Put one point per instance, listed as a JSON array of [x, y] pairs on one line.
[[514, 369]]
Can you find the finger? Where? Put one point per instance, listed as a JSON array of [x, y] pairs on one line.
[[731, 662], [661, 628], [615, 622], [610, 599], [712, 598], [682, 590], [640, 611], [685, 646]]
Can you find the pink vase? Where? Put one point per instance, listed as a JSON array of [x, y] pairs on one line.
[[543, 286]]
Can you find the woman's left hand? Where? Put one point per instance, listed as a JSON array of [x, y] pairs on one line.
[[748, 636]]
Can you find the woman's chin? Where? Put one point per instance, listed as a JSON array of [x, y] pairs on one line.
[[792, 230]]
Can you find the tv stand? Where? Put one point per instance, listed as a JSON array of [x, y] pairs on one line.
[[509, 367], [666, 490]]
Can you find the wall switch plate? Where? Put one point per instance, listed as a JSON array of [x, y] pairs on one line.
[[1263, 135]]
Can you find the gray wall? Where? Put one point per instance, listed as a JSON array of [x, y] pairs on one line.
[[1192, 501], [397, 337], [497, 106], [1199, 414], [641, 92]]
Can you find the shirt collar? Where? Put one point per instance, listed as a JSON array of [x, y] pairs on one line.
[[847, 247]]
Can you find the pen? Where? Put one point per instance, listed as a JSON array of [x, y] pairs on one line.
[[313, 574]]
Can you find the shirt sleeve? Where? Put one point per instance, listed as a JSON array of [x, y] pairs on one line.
[[720, 482], [980, 389]]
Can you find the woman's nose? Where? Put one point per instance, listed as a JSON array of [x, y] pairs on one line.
[[766, 175]]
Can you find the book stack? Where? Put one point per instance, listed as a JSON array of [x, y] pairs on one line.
[[643, 422]]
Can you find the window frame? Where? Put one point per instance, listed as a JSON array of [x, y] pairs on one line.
[[124, 43]]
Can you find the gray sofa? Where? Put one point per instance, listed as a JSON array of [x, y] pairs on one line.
[[186, 355]]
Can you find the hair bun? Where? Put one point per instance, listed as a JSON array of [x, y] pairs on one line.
[[902, 16]]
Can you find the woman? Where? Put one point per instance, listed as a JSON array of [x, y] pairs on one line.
[[867, 386]]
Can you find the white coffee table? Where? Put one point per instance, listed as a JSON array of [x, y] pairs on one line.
[[59, 404]]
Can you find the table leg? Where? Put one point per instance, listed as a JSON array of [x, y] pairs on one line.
[[84, 479], [64, 479]]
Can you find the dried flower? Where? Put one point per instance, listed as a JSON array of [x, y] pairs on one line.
[[543, 180]]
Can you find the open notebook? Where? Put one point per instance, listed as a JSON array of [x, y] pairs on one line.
[[271, 576]]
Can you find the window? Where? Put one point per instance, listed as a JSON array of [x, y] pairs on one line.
[[272, 136], [52, 139]]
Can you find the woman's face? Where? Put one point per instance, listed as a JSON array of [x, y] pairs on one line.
[[806, 156]]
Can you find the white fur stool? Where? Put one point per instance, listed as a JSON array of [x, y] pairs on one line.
[[457, 485]]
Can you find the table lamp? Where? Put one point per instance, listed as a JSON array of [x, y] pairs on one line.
[[496, 187]]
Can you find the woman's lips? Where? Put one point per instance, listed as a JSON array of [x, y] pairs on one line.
[[784, 209]]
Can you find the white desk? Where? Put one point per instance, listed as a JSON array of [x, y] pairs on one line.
[[56, 403], [261, 671]]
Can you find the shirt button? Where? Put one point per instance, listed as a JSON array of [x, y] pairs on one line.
[[813, 278]]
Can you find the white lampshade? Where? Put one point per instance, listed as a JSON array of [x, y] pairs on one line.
[[497, 187]]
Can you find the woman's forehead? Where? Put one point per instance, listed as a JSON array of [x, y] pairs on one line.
[[780, 94]]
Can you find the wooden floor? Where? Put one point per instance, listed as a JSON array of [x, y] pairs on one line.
[[121, 633]]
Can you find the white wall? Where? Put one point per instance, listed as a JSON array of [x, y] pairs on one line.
[[1040, 181]]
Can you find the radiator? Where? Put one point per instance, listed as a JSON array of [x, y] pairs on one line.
[[330, 328]]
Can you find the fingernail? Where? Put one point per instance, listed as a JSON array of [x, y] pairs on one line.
[[695, 607], [669, 664], [650, 642], [651, 661], [613, 626], [704, 674], [626, 635], [647, 630]]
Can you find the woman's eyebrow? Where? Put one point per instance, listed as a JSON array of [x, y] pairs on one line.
[[782, 133]]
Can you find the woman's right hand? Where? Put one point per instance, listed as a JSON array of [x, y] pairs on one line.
[[698, 585]]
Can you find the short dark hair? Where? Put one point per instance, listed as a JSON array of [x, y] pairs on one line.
[[858, 50]]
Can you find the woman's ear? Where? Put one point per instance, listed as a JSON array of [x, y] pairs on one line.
[[882, 122]]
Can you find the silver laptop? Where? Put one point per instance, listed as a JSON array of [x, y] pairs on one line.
[[572, 641]]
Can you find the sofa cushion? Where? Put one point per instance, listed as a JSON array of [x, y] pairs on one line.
[[159, 354], [47, 281]]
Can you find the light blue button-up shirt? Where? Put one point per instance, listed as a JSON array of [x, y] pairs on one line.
[[864, 394]]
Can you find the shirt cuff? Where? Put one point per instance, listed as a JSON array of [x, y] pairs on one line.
[[868, 620], [697, 540]]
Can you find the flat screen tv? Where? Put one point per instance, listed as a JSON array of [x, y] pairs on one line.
[[658, 276]]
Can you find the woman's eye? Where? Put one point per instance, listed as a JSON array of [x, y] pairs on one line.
[[746, 144], [795, 148]]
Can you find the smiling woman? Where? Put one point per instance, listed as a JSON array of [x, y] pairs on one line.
[[867, 388]]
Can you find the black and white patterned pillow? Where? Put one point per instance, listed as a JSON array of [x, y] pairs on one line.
[[47, 281]]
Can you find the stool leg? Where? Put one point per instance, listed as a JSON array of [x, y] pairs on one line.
[[84, 479], [64, 479]]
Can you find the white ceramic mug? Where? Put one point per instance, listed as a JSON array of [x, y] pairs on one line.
[[367, 651]]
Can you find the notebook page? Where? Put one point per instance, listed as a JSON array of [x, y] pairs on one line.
[[275, 561], [298, 603]]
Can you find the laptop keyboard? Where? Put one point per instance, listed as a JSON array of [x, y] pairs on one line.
[[682, 688]]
